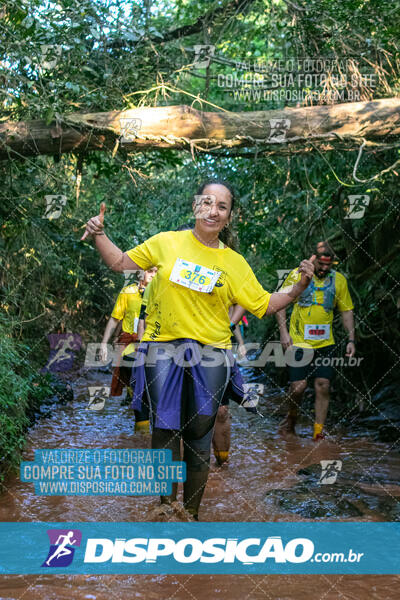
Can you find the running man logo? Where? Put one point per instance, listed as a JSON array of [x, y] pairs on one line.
[[282, 274], [54, 206], [252, 393], [203, 55], [63, 347], [97, 397], [357, 206], [203, 204], [50, 55], [62, 547], [129, 128], [330, 471], [279, 129], [132, 277]]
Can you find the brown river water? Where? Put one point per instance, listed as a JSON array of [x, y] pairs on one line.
[[268, 478]]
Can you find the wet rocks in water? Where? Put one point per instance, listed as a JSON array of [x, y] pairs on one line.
[[382, 414], [309, 498], [61, 393]]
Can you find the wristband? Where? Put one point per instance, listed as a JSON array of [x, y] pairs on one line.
[[232, 327]]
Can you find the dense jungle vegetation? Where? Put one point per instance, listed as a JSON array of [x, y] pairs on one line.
[[117, 55]]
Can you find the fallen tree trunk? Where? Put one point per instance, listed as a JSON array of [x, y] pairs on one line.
[[183, 127]]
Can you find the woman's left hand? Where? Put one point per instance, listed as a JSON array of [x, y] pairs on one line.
[[241, 351]]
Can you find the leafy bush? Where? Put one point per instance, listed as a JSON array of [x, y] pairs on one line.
[[21, 391]]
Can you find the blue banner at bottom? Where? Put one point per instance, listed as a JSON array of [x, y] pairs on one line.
[[193, 548]]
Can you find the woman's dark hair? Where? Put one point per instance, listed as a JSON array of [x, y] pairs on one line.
[[218, 182], [227, 235]]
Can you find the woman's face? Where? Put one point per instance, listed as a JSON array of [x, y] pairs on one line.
[[148, 275], [213, 208]]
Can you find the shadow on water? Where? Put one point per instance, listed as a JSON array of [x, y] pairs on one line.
[[268, 478]]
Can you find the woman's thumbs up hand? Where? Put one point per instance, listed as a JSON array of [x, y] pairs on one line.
[[95, 225]]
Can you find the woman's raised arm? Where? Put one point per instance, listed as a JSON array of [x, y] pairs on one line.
[[284, 297], [110, 253]]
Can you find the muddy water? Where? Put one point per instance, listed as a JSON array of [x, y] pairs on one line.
[[268, 479]]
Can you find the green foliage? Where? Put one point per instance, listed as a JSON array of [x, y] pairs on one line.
[[21, 392]]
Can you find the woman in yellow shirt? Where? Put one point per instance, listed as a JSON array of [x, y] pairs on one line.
[[198, 279], [126, 314]]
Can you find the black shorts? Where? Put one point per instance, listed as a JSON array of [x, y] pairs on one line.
[[319, 366]]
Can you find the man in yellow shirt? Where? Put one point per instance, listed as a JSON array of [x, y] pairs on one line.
[[311, 335]]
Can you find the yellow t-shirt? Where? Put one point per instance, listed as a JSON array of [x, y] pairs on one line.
[[130, 348], [176, 311], [315, 314], [127, 308]]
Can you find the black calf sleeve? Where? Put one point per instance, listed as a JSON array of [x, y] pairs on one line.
[[168, 439]]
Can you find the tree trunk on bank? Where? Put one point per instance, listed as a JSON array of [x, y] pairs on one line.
[[182, 127]]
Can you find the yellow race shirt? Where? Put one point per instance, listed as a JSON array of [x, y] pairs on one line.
[[127, 308], [177, 311], [305, 317], [146, 298]]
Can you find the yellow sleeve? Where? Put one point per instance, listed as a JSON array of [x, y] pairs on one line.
[[147, 255], [120, 307], [343, 298], [293, 277], [250, 294]]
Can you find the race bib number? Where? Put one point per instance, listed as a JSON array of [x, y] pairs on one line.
[[317, 332], [194, 277]]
